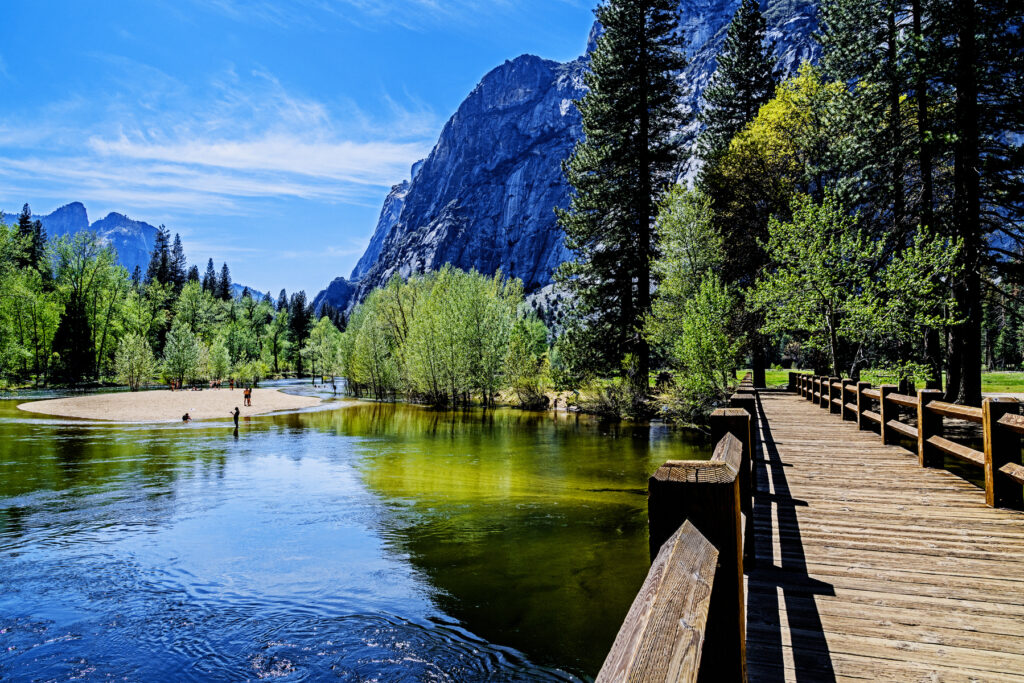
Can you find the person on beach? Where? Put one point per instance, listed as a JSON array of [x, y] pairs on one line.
[[232, 384], [235, 415], [186, 418]]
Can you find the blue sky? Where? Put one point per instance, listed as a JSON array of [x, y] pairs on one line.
[[266, 132]]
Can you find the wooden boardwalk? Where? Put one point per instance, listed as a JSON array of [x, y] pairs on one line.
[[870, 567]]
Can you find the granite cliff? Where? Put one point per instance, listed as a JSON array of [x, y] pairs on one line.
[[485, 196]]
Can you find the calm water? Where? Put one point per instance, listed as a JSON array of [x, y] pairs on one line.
[[354, 542]]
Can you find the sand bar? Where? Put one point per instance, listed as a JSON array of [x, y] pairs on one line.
[[168, 406]]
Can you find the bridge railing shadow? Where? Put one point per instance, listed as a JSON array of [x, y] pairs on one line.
[[779, 580]]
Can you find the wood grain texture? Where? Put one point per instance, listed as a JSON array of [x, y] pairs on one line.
[[969, 413], [870, 567], [663, 634]]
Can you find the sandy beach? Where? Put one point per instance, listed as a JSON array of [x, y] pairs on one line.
[[168, 406]]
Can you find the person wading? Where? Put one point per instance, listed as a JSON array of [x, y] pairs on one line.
[[235, 415]]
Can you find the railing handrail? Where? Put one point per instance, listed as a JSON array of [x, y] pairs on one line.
[[1002, 427], [693, 596]]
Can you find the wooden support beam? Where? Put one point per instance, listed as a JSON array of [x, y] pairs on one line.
[[706, 493], [1002, 446], [848, 414], [834, 393], [887, 411], [929, 424], [826, 393], [863, 404]]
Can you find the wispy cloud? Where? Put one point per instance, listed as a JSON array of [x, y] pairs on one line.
[[250, 139], [415, 15]]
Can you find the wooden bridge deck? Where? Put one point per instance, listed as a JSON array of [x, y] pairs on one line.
[[877, 569]]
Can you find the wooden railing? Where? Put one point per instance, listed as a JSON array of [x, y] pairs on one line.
[[692, 602], [1001, 426]]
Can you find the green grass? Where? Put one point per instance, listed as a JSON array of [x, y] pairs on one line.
[[991, 382]]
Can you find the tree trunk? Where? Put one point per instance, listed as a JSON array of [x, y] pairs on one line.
[[966, 338]]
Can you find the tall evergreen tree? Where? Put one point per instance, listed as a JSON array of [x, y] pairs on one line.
[[72, 342], [193, 274], [618, 172], [159, 269], [300, 320], [210, 278], [224, 284], [34, 237], [282, 301], [178, 264], [744, 80]]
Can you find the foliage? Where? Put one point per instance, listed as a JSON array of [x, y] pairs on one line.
[[441, 338], [134, 360], [744, 79], [843, 290], [527, 364], [626, 161], [183, 353]]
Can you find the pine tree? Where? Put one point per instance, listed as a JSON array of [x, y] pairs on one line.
[[744, 80], [224, 284], [210, 278], [178, 264], [282, 301], [301, 316], [618, 172], [193, 274], [72, 342], [160, 261], [33, 236]]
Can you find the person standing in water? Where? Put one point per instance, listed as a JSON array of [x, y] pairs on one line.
[[235, 415]]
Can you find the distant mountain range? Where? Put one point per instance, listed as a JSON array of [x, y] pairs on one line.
[[485, 196], [132, 240]]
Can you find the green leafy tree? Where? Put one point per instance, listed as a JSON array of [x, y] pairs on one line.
[[835, 285], [625, 162], [134, 360], [526, 366], [182, 353], [219, 360]]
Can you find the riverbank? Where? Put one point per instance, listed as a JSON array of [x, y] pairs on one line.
[[168, 406]]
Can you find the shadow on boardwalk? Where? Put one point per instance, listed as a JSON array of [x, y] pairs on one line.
[[782, 578]]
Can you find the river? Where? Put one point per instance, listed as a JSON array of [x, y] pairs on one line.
[[353, 542]]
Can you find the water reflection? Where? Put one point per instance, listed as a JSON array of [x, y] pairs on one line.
[[366, 541]]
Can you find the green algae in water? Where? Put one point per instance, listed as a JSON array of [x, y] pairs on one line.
[[520, 537]]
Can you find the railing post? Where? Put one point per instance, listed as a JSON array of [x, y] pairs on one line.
[[738, 421], [815, 388], [792, 381], [1001, 446], [832, 391], [826, 393], [887, 410], [707, 494], [862, 404], [722, 423], [848, 414], [929, 424]]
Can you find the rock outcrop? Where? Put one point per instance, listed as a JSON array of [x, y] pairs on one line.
[[485, 197], [133, 240]]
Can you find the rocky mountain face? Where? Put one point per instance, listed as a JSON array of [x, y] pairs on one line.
[[338, 293], [133, 240], [485, 197]]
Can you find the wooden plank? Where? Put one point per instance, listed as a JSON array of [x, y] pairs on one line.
[[1014, 471], [969, 413], [1013, 422], [958, 450], [873, 568], [872, 415], [903, 400], [663, 634], [902, 429], [873, 394]]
